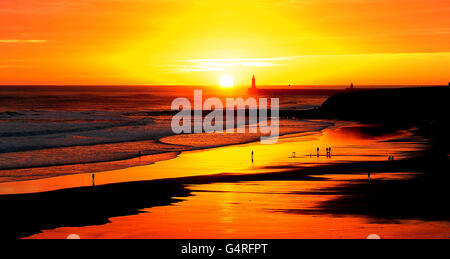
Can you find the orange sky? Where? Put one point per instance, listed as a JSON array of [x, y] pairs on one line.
[[196, 42]]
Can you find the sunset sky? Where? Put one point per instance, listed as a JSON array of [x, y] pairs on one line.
[[196, 42]]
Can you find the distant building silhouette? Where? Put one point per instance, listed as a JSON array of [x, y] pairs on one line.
[[351, 88], [253, 83]]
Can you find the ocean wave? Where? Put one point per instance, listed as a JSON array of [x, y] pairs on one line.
[[25, 163]]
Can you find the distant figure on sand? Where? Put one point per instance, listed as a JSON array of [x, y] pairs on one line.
[[252, 156], [93, 179], [318, 151], [293, 154]]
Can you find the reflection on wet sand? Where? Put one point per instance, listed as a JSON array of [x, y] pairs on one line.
[[253, 210], [277, 196]]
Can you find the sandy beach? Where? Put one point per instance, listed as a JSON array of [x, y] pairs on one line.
[[282, 195]]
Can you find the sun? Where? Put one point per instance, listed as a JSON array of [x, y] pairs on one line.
[[226, 81]]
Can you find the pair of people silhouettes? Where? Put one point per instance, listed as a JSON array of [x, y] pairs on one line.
[[328, 151]]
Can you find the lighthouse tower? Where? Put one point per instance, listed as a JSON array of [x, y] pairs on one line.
[[253, 89]]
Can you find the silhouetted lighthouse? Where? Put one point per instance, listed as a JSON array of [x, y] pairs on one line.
[[253, 83]]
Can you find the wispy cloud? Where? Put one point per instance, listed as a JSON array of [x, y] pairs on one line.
[[22, 41], [238, 59], [204, 65]]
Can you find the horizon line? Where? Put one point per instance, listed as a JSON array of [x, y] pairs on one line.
[[200, 85]]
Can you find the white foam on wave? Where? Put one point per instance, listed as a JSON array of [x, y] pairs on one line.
[[89, 149]]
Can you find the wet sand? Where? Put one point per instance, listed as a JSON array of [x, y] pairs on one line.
[[253, 209], [219, 193]]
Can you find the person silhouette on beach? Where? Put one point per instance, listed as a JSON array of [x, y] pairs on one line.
[[93, 179], [329, 151], [318, 151], [252, 156]]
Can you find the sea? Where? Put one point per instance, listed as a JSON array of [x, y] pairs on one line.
[[47, 131]]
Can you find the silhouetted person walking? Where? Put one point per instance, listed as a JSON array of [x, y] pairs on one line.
[[252, 156], [318, 151], [93, 179], [329, 151]]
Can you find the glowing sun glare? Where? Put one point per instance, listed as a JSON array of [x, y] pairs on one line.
[[226, 81]]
